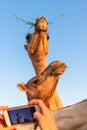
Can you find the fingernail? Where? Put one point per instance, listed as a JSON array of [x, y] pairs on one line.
[[14, 129]]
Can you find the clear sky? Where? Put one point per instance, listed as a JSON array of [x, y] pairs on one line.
[[68, 43]]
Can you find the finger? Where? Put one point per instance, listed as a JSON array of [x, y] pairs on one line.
[[8, 128], [3, 123], [3, 108], [37, 115], [13, 129], [35, 126], [40, 118], [33, 102], [1, 117], [40, 103]]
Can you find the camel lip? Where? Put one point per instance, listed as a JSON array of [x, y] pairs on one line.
[[30, 90], [30, 94]]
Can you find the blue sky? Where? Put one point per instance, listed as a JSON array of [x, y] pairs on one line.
[[68, 43]]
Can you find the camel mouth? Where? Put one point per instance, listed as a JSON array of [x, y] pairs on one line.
[[32, 95], [41, 28]]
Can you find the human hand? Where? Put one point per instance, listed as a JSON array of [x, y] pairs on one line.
[[45, 117], [3, 108], [2, 120]]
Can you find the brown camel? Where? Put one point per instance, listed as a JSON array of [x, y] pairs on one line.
[[37, 45], [43, 85]]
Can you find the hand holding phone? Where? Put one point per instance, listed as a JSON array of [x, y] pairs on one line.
[[20, 115]]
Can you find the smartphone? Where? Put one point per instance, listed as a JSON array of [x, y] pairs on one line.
[[20, 115]]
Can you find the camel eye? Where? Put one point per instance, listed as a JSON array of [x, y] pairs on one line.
[[35, 81]]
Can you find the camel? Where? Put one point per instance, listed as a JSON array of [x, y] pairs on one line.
[[37, 45], [43, 85], [37, 49], [73, 117]]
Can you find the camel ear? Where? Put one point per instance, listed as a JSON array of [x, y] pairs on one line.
[[26, 47], [22, 87], [55, 68], [59, 68]]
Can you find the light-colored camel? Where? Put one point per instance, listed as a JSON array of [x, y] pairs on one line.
[[37, 49], [73, 117]]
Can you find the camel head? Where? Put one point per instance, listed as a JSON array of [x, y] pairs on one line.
[[43, 85], [41, 24]]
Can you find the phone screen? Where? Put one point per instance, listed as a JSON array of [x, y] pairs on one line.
[[23, 115]]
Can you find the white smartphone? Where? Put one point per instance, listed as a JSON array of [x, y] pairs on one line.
[[20, 115]]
